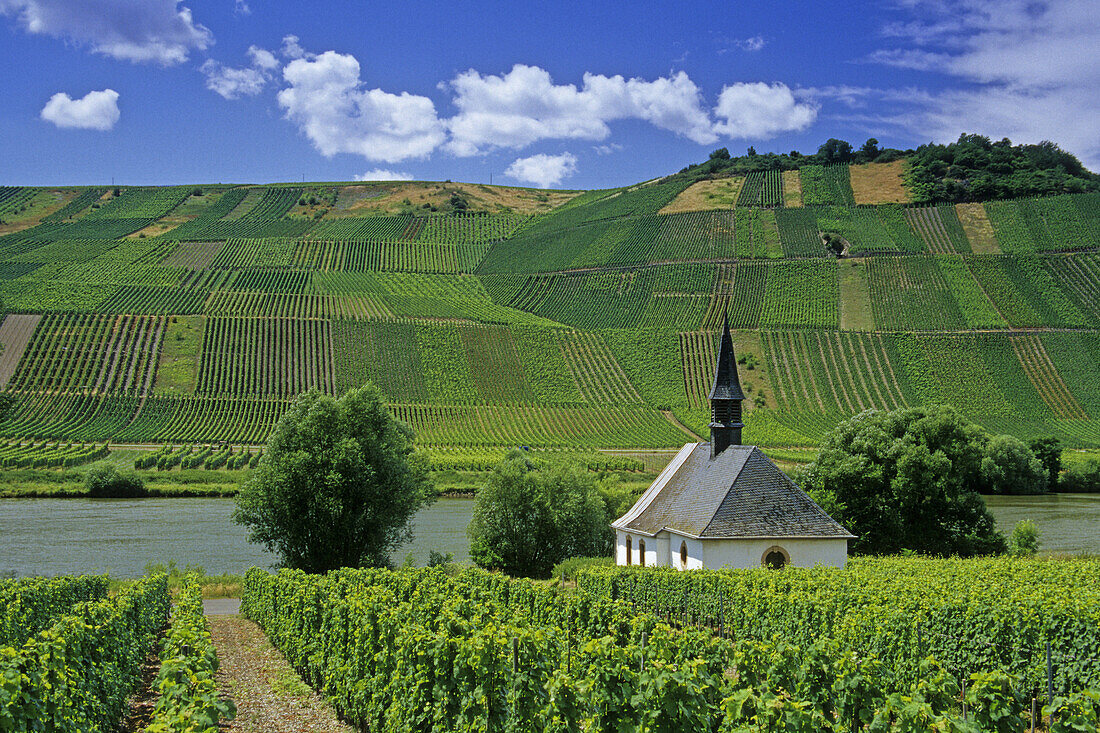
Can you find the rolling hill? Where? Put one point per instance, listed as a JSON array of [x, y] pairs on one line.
[[493, 317]]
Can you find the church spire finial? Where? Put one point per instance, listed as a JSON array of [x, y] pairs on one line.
[[725, 397]]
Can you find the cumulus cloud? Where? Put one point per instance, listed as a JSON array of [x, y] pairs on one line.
[[326, 98], [523, 106], [159, 31], [94, 111], [543, 170], [240, 7], [330, 105], [384, 174], [1028, 71], [233, 83], [263, 59], [761, 111], [292, 49]]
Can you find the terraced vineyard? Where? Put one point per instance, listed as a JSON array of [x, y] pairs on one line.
[[589, 326]]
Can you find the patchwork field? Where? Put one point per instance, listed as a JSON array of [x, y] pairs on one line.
[[556, 320]]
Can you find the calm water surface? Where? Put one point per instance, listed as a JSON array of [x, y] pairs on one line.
[[1067, 523], [119, 536]]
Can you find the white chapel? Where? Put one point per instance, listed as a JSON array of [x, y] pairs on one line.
[[726, 505]]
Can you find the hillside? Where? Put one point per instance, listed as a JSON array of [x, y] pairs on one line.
[[549, 319]]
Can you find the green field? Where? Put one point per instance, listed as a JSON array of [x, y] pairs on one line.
[[178, 317]]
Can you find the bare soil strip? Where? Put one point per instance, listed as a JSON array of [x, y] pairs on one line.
[[270, 696]]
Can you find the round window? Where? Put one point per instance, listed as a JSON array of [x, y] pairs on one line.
[[775, 557]]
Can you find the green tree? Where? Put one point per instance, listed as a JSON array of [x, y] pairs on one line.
[[1009, 467], [870, 150], [337, 485], [1049, 453], [905, 480], [529, 518], [835, 151], [1081, 478]]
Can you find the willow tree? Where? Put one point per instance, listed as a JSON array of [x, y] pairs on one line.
[[337, 485]]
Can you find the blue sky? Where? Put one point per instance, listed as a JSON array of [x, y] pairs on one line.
[[572, 95]]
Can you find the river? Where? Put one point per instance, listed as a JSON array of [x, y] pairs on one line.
[[120, 536]]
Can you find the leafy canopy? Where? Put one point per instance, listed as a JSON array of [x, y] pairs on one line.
[[528, 519], [974, 168], [337, 486], [908, 480]]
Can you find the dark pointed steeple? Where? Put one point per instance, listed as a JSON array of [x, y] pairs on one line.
[[725, 397]]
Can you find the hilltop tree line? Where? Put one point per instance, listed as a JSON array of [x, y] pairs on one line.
[[973, 168], [721, 163]]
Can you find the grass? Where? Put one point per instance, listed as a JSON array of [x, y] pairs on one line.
[[880, 183], [978, 228], [719, 193], [213, 586], [855, 297], [792, 189], [177, 373]]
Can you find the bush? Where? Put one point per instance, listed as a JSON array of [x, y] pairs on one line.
[[106, 481], [1081, 478], [1024, 541]]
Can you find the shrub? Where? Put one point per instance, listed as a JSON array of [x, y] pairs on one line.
[[1081, 478], [1024, 541], [106, 481]]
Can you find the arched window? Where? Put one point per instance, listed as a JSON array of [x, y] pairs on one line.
[[641, 553], [629, 559], [775, 557], [683, 555]]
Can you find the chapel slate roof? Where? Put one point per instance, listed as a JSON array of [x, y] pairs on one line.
[[726, 385], [739, 493]]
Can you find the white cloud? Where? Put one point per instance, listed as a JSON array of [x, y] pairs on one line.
[[263, 59], [384, 174], [159, 31], [325, 97], [240, 7], [543, 170], [751, 44], [327, 101], [607, 149], [524, 106], [761, 111], [233, 83], [292, 50], [1029, 71], [94, 111]]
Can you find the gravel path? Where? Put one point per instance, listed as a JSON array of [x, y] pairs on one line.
[[270, 696]]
